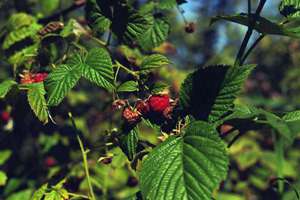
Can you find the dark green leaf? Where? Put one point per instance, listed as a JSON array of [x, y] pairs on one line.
[[188, 167], [262, 25], [208, 93], [129, 143], [60, 81]]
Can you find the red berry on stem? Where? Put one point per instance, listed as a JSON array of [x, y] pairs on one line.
[[40, 77], [5, 116], [158, 103], [50, 161], [131, 116]]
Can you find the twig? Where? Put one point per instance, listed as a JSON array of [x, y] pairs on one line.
[[252, 47], [84, 156], [252, 21]]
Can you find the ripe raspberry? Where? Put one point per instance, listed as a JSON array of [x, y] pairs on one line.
[[50, 161], [158, 103], [142, 107], [131, 116], [190, 27], [5, 116], [39, 77]]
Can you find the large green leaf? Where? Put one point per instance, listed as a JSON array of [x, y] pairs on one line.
[[262, 25], [154, 61], [5, 87], [23, 194], [290, 8], [155, 35], [60, 81], [185, 168], [98, 68], [36, 98], [292, 116], [167, 4], [209, 92]]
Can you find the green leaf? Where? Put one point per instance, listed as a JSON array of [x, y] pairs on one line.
[[98, 68], [290, 8], [155, 35], [129, 143], [36, 98], [208, 93], [18, 20], [129, 25], [3, 178], [95, 18], [262, 25], [23, 194], [4, 156], [188, 167], [60, 81], [39, 194], [292, 116], [154, 61], [167, 4], [128, 86], [158, 87], [5, 87], [53, 195]]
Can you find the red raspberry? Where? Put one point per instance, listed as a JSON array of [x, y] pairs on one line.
[[142, 107], [131, 116], [39, 77], [158, 103], [5, 116], [50, 161]]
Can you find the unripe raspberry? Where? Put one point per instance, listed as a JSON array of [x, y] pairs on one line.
[[158, 103], [27, 78], [190, 27], [39, 77], [118, 104], [142, 107], [131, 116], [5, 116]]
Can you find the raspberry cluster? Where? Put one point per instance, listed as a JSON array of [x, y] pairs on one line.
[[28, 77], [157, 108]]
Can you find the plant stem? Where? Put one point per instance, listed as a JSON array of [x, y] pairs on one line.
[[119, 65], [252, 21], [252, 47], [78, 195], [84, 156], [278, 145]]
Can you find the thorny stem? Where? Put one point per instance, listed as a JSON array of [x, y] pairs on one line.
[[84, 156], [252, 21]]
